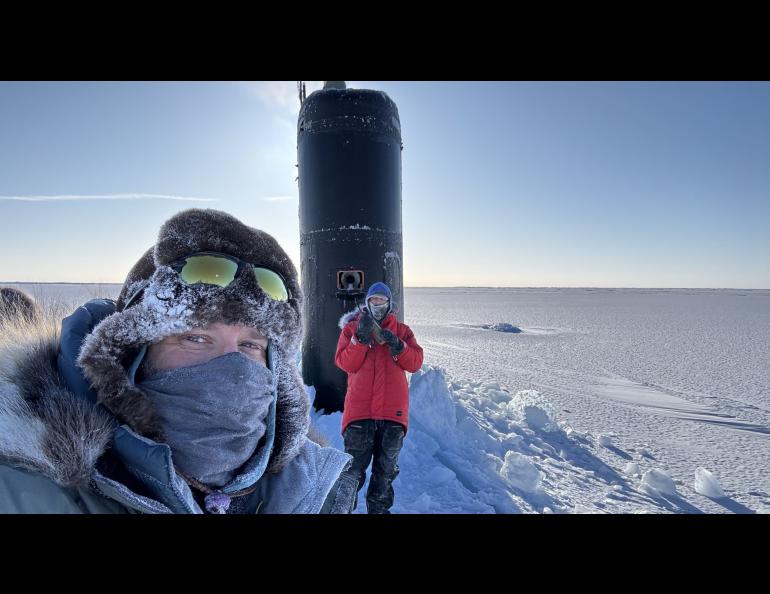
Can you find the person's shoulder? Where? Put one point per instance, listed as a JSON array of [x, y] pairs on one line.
[[304, 482], [24, 491], [88, 315], [321, 453], [349, 319], [82, 322], [403, 327]]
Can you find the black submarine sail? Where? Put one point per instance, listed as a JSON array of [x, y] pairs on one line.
[[349, 159]]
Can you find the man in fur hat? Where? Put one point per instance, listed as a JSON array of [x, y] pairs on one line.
[[376, 350], [182, 397]]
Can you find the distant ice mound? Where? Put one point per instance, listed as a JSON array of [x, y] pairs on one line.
[[502, 327], [511, 329]]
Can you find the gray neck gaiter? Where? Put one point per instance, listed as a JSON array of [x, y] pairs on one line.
[[379, 311], [213, 414]]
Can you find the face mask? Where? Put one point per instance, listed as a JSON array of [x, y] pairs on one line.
[[379, 311], [213, 414]]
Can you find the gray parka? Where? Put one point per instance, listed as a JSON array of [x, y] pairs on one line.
[[61, 452]]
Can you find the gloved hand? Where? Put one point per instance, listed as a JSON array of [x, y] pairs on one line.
[[364, 329], [393, 341]]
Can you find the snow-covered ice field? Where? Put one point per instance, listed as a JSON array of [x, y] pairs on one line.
[[578, 400]]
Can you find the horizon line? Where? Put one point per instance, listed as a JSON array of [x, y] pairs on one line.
[[449, 286]]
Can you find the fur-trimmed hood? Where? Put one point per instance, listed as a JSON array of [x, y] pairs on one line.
[[15, 303], [348, 316], [44, 426]]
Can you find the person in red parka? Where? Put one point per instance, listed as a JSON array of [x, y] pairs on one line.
[[376, 350]]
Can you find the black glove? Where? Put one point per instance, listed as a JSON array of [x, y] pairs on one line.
[[394, 342], [364, 330]]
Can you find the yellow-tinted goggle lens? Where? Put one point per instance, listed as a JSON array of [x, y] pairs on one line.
[[208, 269], [271, 284]]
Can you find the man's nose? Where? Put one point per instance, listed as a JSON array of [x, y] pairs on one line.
[[230, 346]]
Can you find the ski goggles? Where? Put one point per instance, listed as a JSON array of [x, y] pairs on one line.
[[213, 268]]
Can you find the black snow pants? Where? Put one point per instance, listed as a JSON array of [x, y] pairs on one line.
[[381, 442]]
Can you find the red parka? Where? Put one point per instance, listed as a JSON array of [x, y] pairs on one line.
[[377, 386]]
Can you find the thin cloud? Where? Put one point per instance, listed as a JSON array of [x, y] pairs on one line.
[[73, 197], [279, 198]]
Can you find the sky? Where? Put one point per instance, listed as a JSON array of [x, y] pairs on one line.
[[521, 184]]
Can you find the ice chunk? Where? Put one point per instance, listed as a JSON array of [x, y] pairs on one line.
[[530, 407], [631, 469], [521, 472], [499, 396], [605, 440], [706, 484], [432, 404], [658, 482]]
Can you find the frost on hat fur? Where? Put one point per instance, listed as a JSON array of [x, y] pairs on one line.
[[166, 306]]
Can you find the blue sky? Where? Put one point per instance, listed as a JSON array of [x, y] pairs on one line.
[[614, 184]]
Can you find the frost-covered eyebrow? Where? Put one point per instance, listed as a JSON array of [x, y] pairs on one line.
[[251, 333], [191, 331], [255, 334]]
